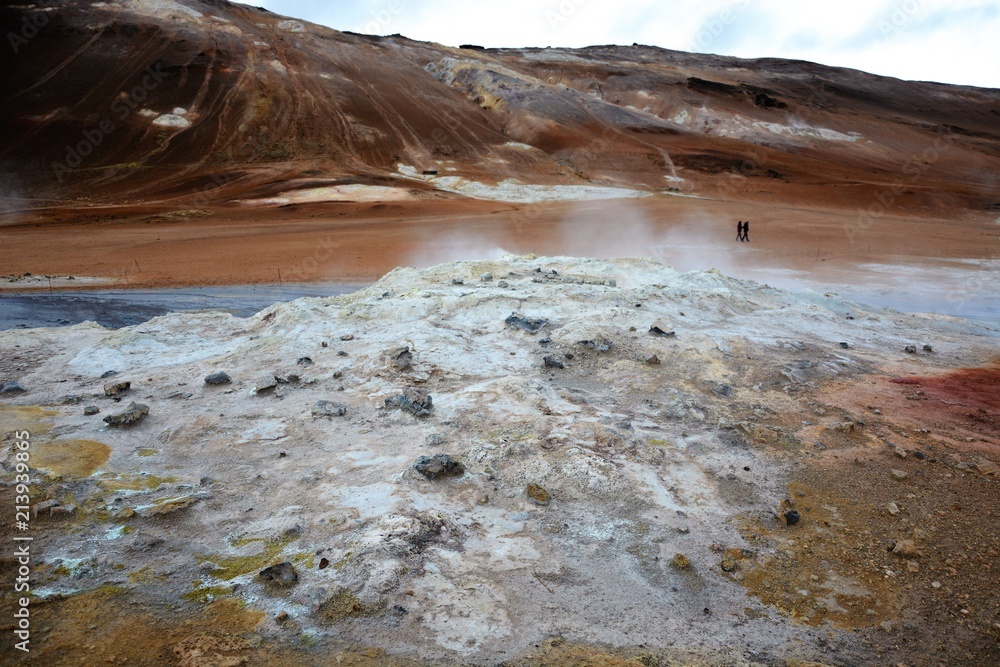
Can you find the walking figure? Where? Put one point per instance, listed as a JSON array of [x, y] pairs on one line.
[[746, 231], [739, 231]]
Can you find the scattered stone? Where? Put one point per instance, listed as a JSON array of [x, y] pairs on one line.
[[912, 566], [72, 399], [341, 353], [893, 508], [928, 349], [601, 344], [486, 277], [906, 549], [67, 510], [792, 517], [538, 495], [324, 563], [304, 361], [116, 388], [899, 474], [282, 575], [434, 440], [329, 409], [218, 377], [729, 563], [125, 513], [723, 390], [935, 584], [683, 530], [265, 382], [439, 465], [133, 414], [886, 625], [282, 617], [681, 562], [170, 505], [900, 452], [987, 469], [845, 345], [91, 410], [661, 328], [12, 388], [400, 358], [347, 337], [106, 374], [503, 284], [457, 281], [653, 360], [910, 349], [49, 505], [532, 326], [553, 362], [414, 401]]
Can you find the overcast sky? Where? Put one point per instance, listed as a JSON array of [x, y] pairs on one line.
[[952, 41]]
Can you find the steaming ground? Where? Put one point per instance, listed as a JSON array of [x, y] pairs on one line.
[[625, 494]]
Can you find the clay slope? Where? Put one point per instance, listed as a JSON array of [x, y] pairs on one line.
[[208, 102]]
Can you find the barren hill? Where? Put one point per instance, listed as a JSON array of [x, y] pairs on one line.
[[206, 101]]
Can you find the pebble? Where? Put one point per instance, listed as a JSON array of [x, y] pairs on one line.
[[347, 337], [265, 382], [792, 517], [899, 474], [106, 374], [538, 495], [329, 409], [133, 414], [439, 465], [282, 575], [218, 377], [910, 349], [893, 508], [905, 548], [935, 584], [116, 388], [553, 362], [653, 360], [91, 410], [486, 277], [681, 562]]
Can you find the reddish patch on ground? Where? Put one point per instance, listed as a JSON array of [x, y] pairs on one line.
[[970, 387]]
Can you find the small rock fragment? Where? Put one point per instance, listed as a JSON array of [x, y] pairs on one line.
[[601, 344], [845, 345], [434, 440], [532, 326], [347, 337], [928, 349], [91, 410], [133, 414], [304, 361], [729, 563], [661, 328], [906, 549], [538, 495], [681, 562], [503, 284], [553, 362], [218, 377], [106, 374], [910, 349], [899, 474], [893, 508], [439, 465], [653, 360], [282, 575], [329, 409], [414, 401], [400, 358], [791, 517], [265, 382], [486, 277], [116, 388]]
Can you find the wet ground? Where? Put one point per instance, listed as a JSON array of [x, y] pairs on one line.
[[121, 308]]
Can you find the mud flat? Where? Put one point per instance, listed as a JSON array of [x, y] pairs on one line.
[[525, 460]]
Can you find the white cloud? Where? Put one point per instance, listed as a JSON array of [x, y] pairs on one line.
[[952, 41]]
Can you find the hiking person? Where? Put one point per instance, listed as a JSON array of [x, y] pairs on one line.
[[739, 231], [746, 231]]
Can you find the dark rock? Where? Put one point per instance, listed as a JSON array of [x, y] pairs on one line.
[[434, 440], [503, 284], [928, 348], [844, 345], [457, 281], [91, 410], [538, 495], [72, 399], [919, 455], [324, 563], [661, 328], [653, 360], [910, 349], [791, 517], [601, 344], [723, 390], [553, 362], [413, 401], [545, 341], [116, 388], [133, 414], [219, 377], [532, 326], [106, 374], [12, 388], [341, 353], [329, 409], [282, 575], [439, 465], [304, 361], [347, 337]]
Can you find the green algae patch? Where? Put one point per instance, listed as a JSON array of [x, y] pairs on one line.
[[69, 458], [146, 452], [230, 567], [206, 594], [132, 482]]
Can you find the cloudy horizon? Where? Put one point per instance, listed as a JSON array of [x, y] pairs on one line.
[[925, 40]]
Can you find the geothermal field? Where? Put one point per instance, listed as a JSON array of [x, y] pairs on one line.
[[319, 348]]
